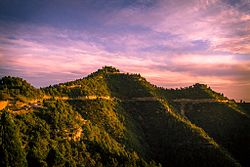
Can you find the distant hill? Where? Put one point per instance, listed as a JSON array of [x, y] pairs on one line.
[[111, 118]]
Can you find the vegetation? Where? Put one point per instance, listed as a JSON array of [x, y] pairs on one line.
[[196, 91], [155, 128], [139, 125], [92, 85], [226, 125], [11, 151], [226, 122], [18, 89]]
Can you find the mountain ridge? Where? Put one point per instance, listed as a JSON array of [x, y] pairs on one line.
[[126, 109]]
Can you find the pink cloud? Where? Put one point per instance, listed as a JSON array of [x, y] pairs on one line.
[[214, 21], [169, 27]]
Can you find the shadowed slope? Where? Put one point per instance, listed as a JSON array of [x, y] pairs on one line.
[[221, 118], [167, 135]]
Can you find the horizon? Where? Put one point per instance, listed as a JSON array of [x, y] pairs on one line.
[[171, 43], [120, 71]]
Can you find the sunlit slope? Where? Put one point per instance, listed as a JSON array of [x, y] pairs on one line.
[[14, 88], [54, 131]]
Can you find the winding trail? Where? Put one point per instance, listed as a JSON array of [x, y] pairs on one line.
[[29, 105], [199, 101]]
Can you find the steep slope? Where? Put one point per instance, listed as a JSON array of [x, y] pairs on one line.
[[164, 133], [221, 118]]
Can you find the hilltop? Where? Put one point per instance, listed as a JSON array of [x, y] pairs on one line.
[[111, 118]]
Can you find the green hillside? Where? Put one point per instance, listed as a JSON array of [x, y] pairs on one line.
[[196, 91], [225, 121], [162, 128], [15, 88], [110, 118]]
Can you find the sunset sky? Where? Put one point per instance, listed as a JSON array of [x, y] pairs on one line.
[[173, 43]]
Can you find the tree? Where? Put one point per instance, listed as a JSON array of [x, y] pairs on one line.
[[11, 151]]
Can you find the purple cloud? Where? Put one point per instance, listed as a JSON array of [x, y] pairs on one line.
[[172, 43]]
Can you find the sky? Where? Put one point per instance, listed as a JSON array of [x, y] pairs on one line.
[[172, 43]]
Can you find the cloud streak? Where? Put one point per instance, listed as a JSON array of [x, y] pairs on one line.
[[172, 43]]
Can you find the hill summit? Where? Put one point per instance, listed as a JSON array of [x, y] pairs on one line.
[[110, 118]]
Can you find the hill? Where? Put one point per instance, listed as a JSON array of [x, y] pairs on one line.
[[224, 120], [110, 118], [14, 88]]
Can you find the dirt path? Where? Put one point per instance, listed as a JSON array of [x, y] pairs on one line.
[[36, 103], [143, 99], [3, 104], [92, 97], [198, 101]]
